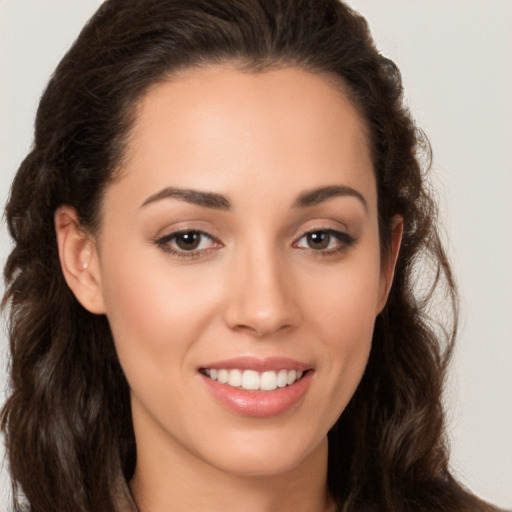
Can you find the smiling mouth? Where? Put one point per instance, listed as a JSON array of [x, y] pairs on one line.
[[251, 380]]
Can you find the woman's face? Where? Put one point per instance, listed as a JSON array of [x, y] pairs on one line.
[[241, 243]]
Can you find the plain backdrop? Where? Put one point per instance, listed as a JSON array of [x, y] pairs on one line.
[[456, 61]]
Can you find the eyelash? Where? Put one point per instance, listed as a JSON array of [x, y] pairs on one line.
[[345, 241]]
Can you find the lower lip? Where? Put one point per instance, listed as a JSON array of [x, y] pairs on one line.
[[259, 404]]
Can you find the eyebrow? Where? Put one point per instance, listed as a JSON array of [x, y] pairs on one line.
[[206, 199], [319, 195], [220, 202]]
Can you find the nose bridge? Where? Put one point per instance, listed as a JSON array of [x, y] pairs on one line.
[[261, 298]]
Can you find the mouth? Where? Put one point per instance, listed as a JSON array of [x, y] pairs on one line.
[[252, 380], [249, 386]]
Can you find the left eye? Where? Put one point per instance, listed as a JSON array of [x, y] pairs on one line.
[[324, 240], [186, 241]]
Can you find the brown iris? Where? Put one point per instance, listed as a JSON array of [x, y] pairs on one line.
[[318, 240], [188, 241]]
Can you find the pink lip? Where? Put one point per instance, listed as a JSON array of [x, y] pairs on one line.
[[259, 365], [259, 403]]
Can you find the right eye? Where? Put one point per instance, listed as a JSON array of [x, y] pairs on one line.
[[188, 243]]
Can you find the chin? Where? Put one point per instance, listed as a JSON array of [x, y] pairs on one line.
[[269, 455]]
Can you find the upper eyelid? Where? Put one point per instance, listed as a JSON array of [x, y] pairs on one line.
[[323, 228], [187, 229], [321, 223], [173, 234], [334, 232], [328, 229]]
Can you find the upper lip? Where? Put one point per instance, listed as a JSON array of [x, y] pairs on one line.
[[258, 364]]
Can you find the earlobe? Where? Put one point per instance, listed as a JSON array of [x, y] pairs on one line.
[[79, 259], [389, 261]]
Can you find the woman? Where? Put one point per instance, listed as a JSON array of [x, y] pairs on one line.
[[201, 285]]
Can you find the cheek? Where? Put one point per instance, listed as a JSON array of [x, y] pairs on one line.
[[155, 311], [343, 310], [344, 301]]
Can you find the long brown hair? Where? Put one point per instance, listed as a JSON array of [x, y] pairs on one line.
[[67, 421]]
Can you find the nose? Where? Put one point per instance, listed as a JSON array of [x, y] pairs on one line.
[[261, 299]]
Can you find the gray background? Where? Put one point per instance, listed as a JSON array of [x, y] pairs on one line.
[[456, 60]]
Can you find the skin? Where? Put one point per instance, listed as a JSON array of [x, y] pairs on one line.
[[256, 287]]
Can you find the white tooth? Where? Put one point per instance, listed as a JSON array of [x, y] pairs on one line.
[[235, 378], [282, 378], [213, 373], [250, 379], [223, 376], [292, 374], [268, 381], [299, 374]]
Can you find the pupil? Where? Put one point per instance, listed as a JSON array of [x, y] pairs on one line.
[[318, 240], [188, 241]]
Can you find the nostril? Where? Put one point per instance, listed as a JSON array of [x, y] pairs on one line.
[[262, 329]]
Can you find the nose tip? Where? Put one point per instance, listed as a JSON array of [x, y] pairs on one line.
[[259, 322], [262, 302]]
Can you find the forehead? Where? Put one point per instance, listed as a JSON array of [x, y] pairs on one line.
[[220, 128]]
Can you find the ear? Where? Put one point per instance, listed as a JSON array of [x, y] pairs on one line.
[[389, 261], [79, 259]]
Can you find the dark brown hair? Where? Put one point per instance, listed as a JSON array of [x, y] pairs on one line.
[[67, 421]]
